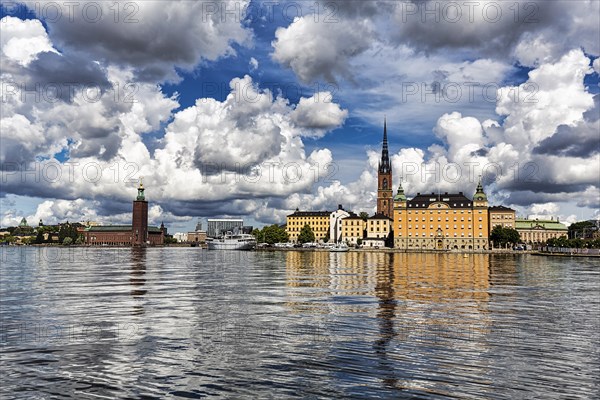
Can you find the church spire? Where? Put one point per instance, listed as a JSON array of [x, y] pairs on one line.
[[384, 165]]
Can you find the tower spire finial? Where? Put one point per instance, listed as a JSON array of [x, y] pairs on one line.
[[384, 165]]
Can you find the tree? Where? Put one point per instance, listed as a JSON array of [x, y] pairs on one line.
[[512, 235], [306, 234], [581, 229], [170, 240], [502, 236], [271, 234], [67, 241], [363, 215], [67, 230], [39, 238]]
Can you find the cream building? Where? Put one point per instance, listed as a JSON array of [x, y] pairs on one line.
[[500, 215], [378, 231], [539, 230]]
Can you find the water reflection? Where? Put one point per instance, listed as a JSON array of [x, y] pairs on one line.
[[423, 277], [137, 278], [386, 315]]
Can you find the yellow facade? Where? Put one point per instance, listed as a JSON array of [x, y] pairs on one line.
[[352, 229], [441, 222], [317, 220]]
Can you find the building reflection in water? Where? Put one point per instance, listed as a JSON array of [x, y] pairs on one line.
[[422, 301], [137, 278], [386, 315]]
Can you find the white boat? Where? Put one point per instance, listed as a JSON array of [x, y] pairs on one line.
[[241, 241], [339, 248]]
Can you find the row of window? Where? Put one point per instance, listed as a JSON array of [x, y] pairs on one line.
[[439, 205], [311, 222], [440, 218], [447, 226], [447, 235], [447, 212]]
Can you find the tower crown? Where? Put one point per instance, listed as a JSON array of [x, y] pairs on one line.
[[140, 195], [384, 164]]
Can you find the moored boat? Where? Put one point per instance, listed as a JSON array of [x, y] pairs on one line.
[[339, 248], [240, 241]]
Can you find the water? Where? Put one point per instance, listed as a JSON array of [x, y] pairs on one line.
[[189, 323]]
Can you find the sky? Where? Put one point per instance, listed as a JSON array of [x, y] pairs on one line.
[[255, 108]]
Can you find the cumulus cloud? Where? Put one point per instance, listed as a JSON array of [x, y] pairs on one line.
[[578, 140], [319, 113], [152, 38], [22, 41], [315, 50], [528, 32], [230, 157]]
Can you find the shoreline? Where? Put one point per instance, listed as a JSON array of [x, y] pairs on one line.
[[352, 250]]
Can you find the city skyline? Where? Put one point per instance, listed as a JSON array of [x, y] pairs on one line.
[[224, 126]]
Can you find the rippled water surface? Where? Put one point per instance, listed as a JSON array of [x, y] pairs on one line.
[[189, 323]]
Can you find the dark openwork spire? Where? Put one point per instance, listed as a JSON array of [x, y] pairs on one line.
[[384, 165]]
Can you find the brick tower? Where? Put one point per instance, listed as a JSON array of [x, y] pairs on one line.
[[139, 223], [385, 202]]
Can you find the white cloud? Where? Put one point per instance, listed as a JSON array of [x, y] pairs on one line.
[[315, 50], [596, 65], [253, 64], [152, 37], [22, 40], [319, 113]]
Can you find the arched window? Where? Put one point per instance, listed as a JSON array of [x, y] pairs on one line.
[[385, 183]]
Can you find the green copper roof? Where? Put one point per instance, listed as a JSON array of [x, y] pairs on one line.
[[109, 228], [479, 193], [551, 225], [400, 196], [119, 228], [23, 223]]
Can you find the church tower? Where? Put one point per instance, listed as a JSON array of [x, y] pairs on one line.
[[384, 180], [139, 223]]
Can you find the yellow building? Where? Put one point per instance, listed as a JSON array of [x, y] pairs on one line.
[[353, 228], [441, 221], [539, 231], [317, 220], [503, 216]]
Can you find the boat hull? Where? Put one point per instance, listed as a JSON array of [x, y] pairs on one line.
[[226, 245]]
